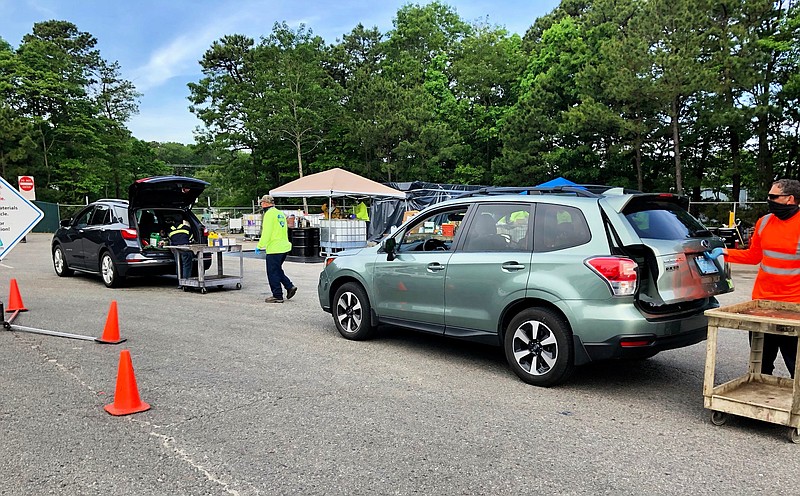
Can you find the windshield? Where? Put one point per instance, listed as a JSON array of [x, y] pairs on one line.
[[664, 221]]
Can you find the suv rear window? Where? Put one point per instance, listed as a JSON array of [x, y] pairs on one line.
[[660, 220]]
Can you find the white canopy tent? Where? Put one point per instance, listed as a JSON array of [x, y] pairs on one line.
[[335, 183]]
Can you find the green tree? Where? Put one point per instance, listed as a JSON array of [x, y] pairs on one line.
[[484, 75], [676, 31], [303, 97], [15, 142], [533, 147], [775, 91], [73, 102], [363, 130], [230, 102], [260, 97], [419, 51]]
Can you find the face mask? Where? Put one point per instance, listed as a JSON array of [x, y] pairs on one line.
[[781, 211]]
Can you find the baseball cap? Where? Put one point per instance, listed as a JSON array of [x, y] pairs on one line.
[[267, 199]]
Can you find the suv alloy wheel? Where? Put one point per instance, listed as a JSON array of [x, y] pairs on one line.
[[538, 347], [352, 312], [109, 272], [60, 263]]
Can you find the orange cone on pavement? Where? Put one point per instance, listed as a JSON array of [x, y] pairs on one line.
[[126, 396], [14, 299], [111, 330]]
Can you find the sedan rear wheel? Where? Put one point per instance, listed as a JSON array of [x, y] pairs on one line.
[[538, 347], [60, 263], [351, 312], [108, 271]]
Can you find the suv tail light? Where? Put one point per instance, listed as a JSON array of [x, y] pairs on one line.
[[638, 342], [129, 233], [205, 232], [619, 273]]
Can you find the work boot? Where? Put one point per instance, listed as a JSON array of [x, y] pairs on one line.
[[272, 299], [291, 292]]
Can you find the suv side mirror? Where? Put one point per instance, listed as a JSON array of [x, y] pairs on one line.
[[65, 222], [389, 247]]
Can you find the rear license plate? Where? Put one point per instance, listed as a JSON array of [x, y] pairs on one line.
[[706, 266]]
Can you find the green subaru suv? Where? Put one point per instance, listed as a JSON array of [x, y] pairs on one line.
[[557, 277]]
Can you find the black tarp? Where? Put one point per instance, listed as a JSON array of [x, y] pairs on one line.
[[387, 213]]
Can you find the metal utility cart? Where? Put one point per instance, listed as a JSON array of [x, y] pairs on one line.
[[754, 395], [219, 279]]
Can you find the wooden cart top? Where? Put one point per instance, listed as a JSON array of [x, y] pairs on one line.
[[777, 317]]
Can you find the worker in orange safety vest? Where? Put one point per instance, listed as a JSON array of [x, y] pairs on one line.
[[775, 246]]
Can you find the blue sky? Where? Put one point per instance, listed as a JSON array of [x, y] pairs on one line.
[[158, 43]]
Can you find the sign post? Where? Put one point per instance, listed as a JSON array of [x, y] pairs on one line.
[[17, 217]]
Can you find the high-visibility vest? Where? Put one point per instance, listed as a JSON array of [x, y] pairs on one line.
[[180, 235], [775, 247], [274, 232]]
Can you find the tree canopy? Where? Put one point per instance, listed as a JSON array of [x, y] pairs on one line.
[[657, 95]]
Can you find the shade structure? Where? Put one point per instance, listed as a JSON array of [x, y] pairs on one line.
[[334, 183], [559, 181]]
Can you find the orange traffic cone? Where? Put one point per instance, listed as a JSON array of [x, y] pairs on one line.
[[14, 299], [111, 330], [126, 397]]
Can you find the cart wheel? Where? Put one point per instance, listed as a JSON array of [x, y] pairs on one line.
[[794, 435], [238, 285], [203, 290], [719, 418], [186, 289]]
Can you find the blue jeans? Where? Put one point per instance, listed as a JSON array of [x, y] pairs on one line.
[[183, 262], [275, 274]]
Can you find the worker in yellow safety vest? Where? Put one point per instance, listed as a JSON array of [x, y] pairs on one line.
[[275, 243]]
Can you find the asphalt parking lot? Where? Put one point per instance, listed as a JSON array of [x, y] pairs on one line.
[[254, 398]]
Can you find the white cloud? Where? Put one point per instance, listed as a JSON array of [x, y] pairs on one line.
[[180, 56]]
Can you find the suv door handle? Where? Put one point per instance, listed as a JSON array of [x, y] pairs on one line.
[[512, 266], [435, 267]]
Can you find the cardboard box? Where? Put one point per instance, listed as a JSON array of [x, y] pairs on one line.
[[409, 213]]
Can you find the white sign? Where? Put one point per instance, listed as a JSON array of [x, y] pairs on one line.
[[26, 187], [17, 217]]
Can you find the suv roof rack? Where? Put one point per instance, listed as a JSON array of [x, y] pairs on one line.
[[584, 190], [110, 200]]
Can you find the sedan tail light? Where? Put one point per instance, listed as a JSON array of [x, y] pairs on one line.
[[619, 273], [129, 233]]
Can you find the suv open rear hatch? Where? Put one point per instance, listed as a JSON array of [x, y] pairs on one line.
[[165, 192], [668, 244]]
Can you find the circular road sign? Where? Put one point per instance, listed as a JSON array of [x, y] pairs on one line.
[[26, 183]]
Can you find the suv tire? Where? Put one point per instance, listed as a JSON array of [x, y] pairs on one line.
[[60, 263], [108, 271], [538, 347], [352, 312]]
